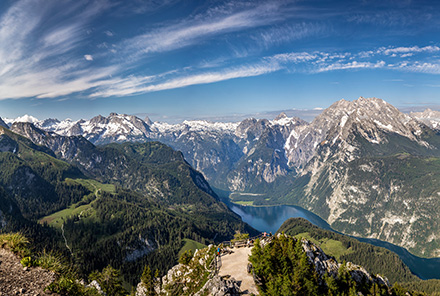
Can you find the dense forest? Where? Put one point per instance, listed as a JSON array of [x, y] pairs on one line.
[[282, 268]]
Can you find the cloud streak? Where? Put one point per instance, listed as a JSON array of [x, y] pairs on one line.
[[137, 85], [188, 32]]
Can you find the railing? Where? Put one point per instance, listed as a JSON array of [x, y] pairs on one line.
[[243, 242]]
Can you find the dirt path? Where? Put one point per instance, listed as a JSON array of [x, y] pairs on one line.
[[235, 265], [14, 280]]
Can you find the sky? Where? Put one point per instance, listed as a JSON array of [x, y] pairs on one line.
[[174, 60]]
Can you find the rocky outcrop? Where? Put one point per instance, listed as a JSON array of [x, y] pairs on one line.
[[218, 286], [325, 264]]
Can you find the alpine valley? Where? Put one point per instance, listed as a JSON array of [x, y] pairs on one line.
[[363, 166]]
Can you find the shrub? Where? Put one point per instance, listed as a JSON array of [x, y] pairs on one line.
[[238, 236], [27, 261], [186, 257], [109, 280], [51, 261]]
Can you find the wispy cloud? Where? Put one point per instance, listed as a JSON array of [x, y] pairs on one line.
[[285, 33], [351, 65], [50, 67], [408, 50], [53, 54], [190, 31], [136, 85]]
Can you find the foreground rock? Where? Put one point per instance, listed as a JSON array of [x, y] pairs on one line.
[[16, 280]]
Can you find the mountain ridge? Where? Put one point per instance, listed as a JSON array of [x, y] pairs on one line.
[[314, 165]]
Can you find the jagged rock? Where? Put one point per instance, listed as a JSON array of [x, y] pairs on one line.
[[141, 290], [429, 117], [323, 263], [94, 284], [326, 264], [218, 286]]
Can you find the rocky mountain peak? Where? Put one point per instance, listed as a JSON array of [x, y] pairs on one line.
[[27, 129], [371, 116], [99, 119], [251, 127], [282, 115], [148, 121], [429, 117]]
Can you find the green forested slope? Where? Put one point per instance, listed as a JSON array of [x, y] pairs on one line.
[[375, 259], [158, 201]]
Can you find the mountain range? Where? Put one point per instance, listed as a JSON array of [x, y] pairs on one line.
[[364, 166]]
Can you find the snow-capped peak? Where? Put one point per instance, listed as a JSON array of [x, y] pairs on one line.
[[429, 117], [283, 119], [24, 118]]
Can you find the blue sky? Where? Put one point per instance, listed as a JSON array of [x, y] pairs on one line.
[[175, 60]]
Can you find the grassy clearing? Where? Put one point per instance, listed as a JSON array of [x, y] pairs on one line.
[[94, 185], [246, 199], [244, 203], [85, 211], [329, 246], [57, 219], [190, 245]]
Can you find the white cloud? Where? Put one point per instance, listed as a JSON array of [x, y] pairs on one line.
[[351, 65], [188, 32], [285, 33], [136, 85], [294, 57], [421, 67], [408, 50], [50, 67]]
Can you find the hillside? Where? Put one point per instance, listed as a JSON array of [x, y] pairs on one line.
[[375, 259], [157, 201]]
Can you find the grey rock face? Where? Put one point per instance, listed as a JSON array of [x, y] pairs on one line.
[[326, 264], [218, 286]]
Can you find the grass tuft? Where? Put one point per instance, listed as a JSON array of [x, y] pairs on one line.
[[16, 242]]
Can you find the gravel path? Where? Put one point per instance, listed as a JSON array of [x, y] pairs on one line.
[[235, 265], [14, 280]]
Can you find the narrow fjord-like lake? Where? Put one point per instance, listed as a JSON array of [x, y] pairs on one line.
[[270, 218]]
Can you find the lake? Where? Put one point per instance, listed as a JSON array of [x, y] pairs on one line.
[[269, 219]]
